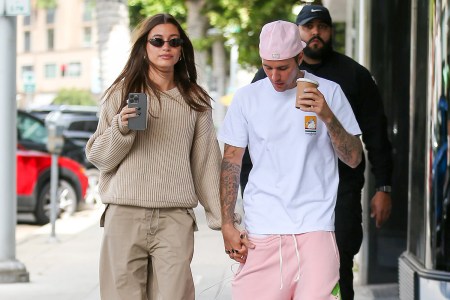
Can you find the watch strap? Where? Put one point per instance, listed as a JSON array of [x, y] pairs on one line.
[[384, 188]]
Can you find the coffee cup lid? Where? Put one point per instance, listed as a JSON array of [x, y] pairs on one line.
[[308, 80]]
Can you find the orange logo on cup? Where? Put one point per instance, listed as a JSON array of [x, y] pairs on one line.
[[310, 124]]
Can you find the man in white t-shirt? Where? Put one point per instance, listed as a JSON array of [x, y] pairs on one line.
[[290, 249]]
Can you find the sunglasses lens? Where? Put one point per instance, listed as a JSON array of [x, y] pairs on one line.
[[175, 42], [157, 42]]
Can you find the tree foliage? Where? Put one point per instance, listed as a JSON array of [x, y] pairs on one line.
[[140, 9], [239, 21], [46, 4], [74, 97]]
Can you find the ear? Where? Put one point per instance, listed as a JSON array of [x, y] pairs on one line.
[[300, 58]]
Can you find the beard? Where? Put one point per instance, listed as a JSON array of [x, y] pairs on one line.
[[318, 53]]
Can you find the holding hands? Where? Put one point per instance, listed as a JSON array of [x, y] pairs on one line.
[[236, 243]]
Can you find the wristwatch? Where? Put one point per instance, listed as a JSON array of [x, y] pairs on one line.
[[384, 188]]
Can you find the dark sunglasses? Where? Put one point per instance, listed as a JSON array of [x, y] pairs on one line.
[[159, 42]]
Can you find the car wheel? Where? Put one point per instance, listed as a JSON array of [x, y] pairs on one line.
[[67, 198], [67, 203]]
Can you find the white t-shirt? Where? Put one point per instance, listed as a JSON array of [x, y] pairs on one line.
[[293, 184]]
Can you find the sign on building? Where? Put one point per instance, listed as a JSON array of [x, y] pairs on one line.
[[17, 7], [29, 83]]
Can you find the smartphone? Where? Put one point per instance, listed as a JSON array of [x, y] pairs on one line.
[[138, 100]]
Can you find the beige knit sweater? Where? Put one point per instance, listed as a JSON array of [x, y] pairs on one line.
[[175, 162]]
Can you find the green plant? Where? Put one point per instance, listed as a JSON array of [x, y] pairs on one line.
[[46, 4], [74, 97]]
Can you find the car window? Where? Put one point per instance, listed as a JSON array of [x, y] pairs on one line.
[[84, 125], [30, 129], [91, 126], [77, 126]]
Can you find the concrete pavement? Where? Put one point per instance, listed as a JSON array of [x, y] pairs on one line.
[[63, 269], [68, 269]]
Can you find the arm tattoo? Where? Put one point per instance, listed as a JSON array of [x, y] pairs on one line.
[[229, 185], [348, 147]]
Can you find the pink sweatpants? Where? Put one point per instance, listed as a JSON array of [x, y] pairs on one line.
[[284, 267]]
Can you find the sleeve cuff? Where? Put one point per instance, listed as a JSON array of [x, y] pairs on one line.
[[122, 128]]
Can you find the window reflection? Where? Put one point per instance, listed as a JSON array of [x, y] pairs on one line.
[[439, 221]]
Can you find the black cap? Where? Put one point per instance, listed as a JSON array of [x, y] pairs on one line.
[[310, 12]]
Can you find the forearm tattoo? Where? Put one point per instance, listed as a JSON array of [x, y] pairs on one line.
[[348, 147], [229, 186]]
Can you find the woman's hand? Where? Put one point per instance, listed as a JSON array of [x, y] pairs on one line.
[[127, 113], [236, 243]]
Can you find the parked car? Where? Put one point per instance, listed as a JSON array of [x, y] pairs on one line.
[[33, 184], [32, 134], [81, 121]]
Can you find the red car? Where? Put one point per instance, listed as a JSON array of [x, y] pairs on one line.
[[33, 184]]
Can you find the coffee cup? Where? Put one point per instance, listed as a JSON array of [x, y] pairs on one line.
[[302, 84]]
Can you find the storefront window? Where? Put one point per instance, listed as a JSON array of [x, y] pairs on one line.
[[418, 191], [439, 220]]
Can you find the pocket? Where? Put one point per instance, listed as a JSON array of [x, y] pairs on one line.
[[243, 267], [190, 211], [102, 218]]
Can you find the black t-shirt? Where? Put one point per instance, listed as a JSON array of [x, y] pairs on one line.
[[362, 92]]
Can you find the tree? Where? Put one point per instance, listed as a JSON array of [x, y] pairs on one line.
[[46, 3], [189, 13], [74, 97], [214, 26], [140, 9], [237, 20], [242, 21]]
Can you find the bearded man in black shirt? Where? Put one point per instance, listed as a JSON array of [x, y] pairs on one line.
[[320, 59]]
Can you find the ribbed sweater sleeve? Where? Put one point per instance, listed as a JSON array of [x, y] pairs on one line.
[[175, 162], [206, 160], [111, 142]]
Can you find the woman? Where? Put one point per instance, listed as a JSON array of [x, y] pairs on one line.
[[151, 179]]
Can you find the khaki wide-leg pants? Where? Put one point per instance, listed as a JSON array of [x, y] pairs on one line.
[[146, 253]]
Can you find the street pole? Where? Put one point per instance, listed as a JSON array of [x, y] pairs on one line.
[[53, 196], [11, 270]]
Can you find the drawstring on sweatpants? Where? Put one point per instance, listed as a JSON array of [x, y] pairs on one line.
[[281, 259], [298, 257], [281, 263]]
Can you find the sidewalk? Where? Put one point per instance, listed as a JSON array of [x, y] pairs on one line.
[[68, 269]]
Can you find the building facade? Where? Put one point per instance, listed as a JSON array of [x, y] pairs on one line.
[[56, 49], [406, 46]]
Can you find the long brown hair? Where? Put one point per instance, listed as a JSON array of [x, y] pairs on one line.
[[135, 76]]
